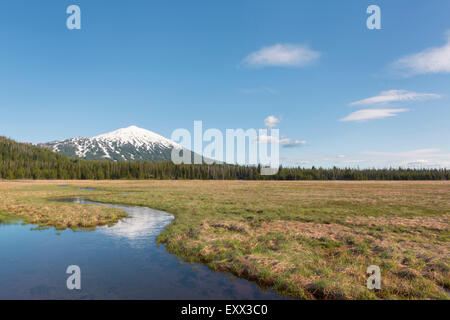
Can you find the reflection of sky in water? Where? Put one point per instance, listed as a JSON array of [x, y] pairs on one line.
[[143, 223]]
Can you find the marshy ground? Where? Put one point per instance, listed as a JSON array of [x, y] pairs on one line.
[[305, 239]]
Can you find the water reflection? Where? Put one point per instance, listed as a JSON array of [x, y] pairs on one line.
[[143, 223]]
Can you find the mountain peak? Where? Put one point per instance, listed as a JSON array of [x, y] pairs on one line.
[[133, 130], [135, 136], [126, 144]]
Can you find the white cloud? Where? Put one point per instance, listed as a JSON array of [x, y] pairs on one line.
[[285, 142], [369, 114], [431, 60], [267, 139], [288, 143], [282, 55], [386, 97], [271, 121]]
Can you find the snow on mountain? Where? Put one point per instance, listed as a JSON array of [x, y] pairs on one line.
[[126, 144], [135, 136]]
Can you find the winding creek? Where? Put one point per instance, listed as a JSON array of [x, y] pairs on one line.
[[118, 262]]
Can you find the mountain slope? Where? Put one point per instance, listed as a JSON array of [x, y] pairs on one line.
[[126, 144]]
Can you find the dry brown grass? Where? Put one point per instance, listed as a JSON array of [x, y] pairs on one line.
[[28, 201]]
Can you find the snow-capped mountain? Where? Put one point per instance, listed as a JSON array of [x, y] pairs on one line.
[[126, 144]]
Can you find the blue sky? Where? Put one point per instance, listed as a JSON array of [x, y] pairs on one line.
[[160, 65]]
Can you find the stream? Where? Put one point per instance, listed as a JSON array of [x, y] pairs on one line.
[[118, 262]]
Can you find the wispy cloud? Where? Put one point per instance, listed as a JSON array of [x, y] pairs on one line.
[[285, 142], [370, 114], [431, 60], [288, 143], [392, 96], [271, 121], [429, 158], [282, 55]]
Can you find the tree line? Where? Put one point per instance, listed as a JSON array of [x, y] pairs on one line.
[[22, 161]]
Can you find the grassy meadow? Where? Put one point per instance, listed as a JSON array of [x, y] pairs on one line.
[[308, 240]]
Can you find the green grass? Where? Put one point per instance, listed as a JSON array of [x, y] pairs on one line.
[[305, 239]]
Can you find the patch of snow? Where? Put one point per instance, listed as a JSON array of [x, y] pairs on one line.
[[137, 137]]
